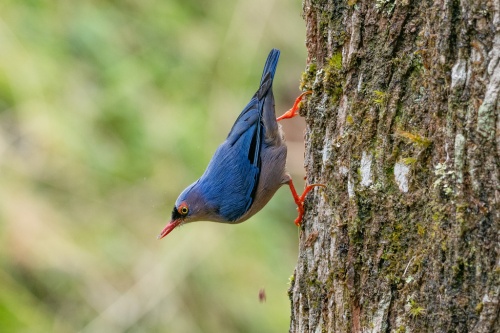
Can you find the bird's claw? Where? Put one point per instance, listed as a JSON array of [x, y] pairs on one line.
[[299, 201], [295, 108]]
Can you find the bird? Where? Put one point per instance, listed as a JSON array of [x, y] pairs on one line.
[[247, 169]]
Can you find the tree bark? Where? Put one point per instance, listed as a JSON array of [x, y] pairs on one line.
[[403, 127]]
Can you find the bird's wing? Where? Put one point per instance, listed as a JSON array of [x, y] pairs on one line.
[[230, 182]]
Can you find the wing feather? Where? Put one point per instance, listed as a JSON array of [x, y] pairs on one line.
[[230, 181]]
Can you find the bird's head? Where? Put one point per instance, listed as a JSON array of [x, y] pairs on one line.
[[190, 206], [179, 215]]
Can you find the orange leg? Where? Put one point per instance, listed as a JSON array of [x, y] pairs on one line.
[[300, 200], [295, 108]]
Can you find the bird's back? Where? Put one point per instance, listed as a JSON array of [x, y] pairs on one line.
[[249, 166]]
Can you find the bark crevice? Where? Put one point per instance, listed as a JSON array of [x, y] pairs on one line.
[[404, 129]]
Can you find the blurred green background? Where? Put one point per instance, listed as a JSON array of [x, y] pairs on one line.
[[108, 109]]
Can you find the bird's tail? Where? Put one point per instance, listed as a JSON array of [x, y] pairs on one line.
[[272, 135], [270, 66]]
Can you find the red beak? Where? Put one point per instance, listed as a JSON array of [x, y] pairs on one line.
[[169, 227]]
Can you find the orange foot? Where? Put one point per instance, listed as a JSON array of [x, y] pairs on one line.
[[295, 108], [300, 200]]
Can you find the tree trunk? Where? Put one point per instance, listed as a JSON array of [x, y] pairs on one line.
[[403, 127]]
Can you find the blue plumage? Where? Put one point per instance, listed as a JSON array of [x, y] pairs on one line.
[[230, 181], [246, 169]]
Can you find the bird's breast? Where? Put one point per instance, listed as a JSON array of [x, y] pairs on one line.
[[272, 175]]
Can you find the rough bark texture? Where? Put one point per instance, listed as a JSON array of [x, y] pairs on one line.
[[404, 129]]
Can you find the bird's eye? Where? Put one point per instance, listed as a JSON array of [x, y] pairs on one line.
[[183, 210]]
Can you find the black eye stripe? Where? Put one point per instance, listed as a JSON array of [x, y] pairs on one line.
[[175, 214]]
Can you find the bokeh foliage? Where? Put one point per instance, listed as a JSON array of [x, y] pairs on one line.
[[108, 109]]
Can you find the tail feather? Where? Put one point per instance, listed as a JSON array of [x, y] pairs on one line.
[[270, 66], [271, 132], [263, 101]]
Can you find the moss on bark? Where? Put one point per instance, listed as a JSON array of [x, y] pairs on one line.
[[401, 129]]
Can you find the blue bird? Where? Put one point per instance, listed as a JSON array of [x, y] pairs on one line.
[[247, 168]]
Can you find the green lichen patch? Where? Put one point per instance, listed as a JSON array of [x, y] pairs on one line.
[[416, 139], [308, 77], [380, 97], [333, 78], [415, 310]]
